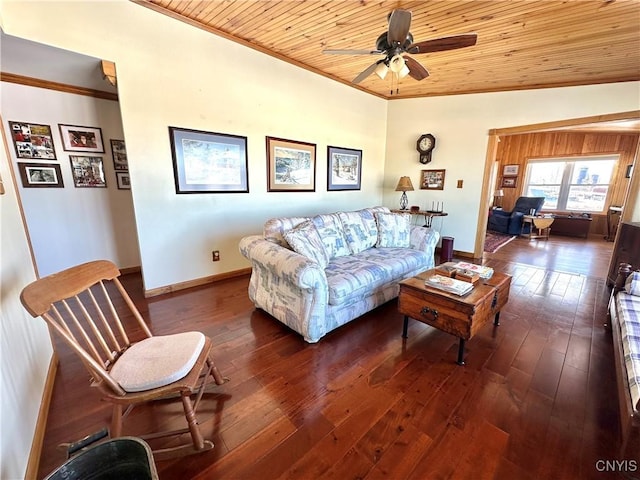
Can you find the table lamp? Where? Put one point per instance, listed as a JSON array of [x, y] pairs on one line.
[[404, 186], [497, 202]]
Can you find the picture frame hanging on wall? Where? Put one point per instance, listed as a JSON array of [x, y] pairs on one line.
[[40, 175], [509, 182], [119, 154], [88, 171], [123, 181], [432, 180], [207, 162], [81, 139], [344, 168], [32, 141], [510, 170], [291, 165]]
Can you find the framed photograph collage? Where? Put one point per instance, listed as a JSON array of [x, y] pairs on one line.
[[34, 142]]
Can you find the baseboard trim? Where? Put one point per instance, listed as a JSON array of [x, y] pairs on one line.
[[33, 462], [127, 270], [196, 283]]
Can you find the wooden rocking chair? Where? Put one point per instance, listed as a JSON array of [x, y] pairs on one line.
[[90, 309]]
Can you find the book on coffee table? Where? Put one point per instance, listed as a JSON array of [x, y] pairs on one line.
[[447, 284], [481, 270]]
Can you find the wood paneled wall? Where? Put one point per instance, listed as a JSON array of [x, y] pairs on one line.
[[518, 149]]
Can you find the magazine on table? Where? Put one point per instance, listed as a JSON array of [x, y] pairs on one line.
[[447, 284]]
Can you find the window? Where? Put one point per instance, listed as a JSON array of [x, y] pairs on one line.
[[571, 184]]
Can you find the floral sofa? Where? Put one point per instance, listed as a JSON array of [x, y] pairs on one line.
[[316, 274]]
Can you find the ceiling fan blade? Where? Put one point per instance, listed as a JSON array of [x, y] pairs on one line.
[[365, 73], [444, 43], [416, 70], [399, 24], [352, 52]]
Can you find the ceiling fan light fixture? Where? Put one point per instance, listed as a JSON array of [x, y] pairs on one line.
[[381, 70], [396, 63], [403, 72]]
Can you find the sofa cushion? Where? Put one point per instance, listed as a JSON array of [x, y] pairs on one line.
[[394, 229], [331, 232], [305, 240], [274, 229], [632, 284], [360, 229], [355, 276]]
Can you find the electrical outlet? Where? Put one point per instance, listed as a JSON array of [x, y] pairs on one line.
[[216, 255]]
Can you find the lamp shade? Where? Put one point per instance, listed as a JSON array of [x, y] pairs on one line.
[[396, 63], [499, 193], [404, 72], [381, 70], [404, 185]]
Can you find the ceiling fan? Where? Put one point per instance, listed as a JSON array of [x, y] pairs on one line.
[[398, 41]]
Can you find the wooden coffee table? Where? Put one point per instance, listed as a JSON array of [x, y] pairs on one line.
[[461, 316]]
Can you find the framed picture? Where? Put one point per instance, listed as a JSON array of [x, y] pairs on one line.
[[344, 168], [40, 175], [205, 162], [432, 180], [291, 166], [81, 139], [119, 153], [510, 170], [509, 182], [32, 140], [88, 171], [122, 179]]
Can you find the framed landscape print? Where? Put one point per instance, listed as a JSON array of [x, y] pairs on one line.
[[40, 175], [32, 140], [81, 139], [510, 170], [432, 180], [291, 166], [119, 153], [344, 168], [205, 162], [122, 179], [88, 171]]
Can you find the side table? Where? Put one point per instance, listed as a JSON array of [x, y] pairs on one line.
[[542, 224]]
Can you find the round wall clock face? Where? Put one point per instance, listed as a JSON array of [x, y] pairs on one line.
[[426, 143]]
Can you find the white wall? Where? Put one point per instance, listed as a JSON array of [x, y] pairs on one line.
[[25, 348], [73, 225], [461, 125], [171, 74]]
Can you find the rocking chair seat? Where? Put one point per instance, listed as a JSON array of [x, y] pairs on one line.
[[157, 361]]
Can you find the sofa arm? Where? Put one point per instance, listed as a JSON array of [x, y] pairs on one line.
[[283, 263], [288, 286], [424, 239]]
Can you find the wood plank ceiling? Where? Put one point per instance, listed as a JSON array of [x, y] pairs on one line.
[[521, 44]]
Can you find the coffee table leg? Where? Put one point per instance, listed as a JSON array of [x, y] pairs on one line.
[[496, 321], [461, 352], [404, 326]]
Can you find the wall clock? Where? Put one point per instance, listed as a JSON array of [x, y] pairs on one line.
[[425, 146]]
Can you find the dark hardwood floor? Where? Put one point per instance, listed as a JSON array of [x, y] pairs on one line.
[[536, 399]]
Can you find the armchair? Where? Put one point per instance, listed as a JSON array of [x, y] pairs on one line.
[[511, 222]]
